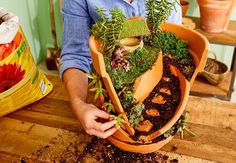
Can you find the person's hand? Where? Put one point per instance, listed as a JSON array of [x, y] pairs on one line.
[[88, 115]]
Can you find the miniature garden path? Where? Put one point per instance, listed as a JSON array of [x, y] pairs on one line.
[[47, 131]]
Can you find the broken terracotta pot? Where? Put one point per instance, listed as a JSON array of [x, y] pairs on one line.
[[198, 46]]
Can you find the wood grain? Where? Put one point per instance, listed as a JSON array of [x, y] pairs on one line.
[[226, 38], [48, 131]]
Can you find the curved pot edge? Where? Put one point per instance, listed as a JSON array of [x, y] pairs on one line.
[[185, 88], [144, 149], [99, 65]]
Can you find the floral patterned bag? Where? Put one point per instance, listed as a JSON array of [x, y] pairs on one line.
[[21, 82]]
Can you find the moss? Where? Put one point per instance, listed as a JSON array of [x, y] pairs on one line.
[[140, 29], [141, 60]]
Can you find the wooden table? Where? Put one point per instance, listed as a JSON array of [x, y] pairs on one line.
[[47, 131]]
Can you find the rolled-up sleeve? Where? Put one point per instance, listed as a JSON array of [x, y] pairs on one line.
[[75, 48]]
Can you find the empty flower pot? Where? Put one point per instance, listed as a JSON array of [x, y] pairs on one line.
[[215, 14]]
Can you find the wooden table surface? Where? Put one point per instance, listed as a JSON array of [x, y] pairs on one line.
[[47, 131]]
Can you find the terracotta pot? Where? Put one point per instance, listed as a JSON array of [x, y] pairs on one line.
[[184, 6], [141, 89], [215, 14], [136, 148], [152, 77], [99, 65], [122, 136], [197, 44], [185, 88]]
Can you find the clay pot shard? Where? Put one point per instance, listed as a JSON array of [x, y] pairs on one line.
[[153, 112], [159, 100], [166, 79], [151, 76], [144, 126], [165, 90]]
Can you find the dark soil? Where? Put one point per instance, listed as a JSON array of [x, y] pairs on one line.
[[105, 152], [181, 66], [166, 110]]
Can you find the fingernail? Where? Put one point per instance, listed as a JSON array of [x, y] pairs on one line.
[[112, 116], [114, 122], [117, 127]]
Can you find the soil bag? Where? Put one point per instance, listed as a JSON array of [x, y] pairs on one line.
[[21, 82]]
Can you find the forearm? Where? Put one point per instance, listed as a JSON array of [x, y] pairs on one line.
[[76, 84]]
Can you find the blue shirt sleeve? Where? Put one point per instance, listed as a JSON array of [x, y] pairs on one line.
[[78, 16], [75, 48], [176, 14]]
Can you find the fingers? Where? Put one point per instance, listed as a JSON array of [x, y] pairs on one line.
[[104, 126], [101, 114], [103, 135]]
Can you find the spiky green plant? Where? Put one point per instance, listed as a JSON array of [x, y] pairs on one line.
[[109, 30], [100, 92], [95, 78], [184, 127], [119, 120], [108, 107], [180, 127], [157, 13]]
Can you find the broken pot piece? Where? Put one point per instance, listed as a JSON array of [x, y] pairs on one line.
[[144, 126], [159, 100]]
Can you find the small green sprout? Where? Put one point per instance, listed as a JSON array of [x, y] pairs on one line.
[[94, 79], [184, 127], [108, 107], [99, 92], [119, 120]]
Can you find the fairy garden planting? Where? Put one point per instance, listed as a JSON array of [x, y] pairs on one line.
[[142, 74]]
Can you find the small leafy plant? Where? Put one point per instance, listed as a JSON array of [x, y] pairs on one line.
[[100, 92], [119, 120], [109, 30], [135, 116], [94, 79], [108, 107], [180, 126], [184, 127]]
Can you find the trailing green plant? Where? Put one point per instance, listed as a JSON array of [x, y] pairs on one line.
[[100, 92], [135, 116], [180, 127], [157, 12], [119, 120], [108, 107], [109, 30], [95, 78], [184, 127]]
